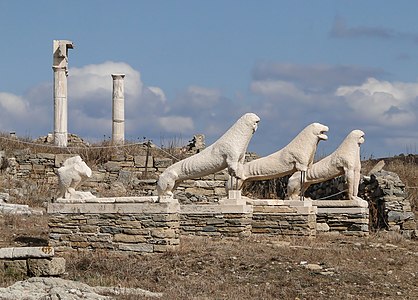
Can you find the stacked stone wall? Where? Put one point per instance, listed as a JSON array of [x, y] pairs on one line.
[[389, 205], [283, 220], [134, 227], [122, 175], [216, 220]]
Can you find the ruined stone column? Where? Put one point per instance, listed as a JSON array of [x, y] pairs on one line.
[[118, 109], [60, 67]]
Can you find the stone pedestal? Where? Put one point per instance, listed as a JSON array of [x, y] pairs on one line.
[[231, 217], [133, 224], [118, 109], [342, 216], [283, 217]]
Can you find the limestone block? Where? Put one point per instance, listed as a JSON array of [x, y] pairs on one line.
[[141, 159], [26, 252], [409, 225], [16, 209], [89, 228], [397, 216], [46, 267], [199, 192], [162, 162], [322, 227], [97, 176], [23, 167], [220, 192], [113, 208], [141, 247], [48, 156], [38, 168], [112, 166], [117, 157], [163, 233], [210, 184], [16, 268], [133, 231], [127, 238]]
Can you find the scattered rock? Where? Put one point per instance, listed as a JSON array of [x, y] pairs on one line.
[[17, 209], [280, 244], [56, 288], [4, 197], [313, 267]]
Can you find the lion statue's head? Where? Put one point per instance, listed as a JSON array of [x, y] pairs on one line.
[[251, 120], [357, 135], [319, 130]]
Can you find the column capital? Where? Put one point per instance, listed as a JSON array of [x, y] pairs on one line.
[[118, 76]]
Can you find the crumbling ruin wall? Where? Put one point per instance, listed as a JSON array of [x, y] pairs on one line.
[[34, 174], [389, 205]]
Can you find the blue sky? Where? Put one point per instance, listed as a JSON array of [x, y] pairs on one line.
[[197, 66]]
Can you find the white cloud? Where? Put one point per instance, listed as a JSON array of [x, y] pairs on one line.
[[96, 79], [200, 97], [158, 92], [176, 124], [381, 101], [278, 88], [12, 104]]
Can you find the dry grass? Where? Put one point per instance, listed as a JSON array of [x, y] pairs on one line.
[[261, 268], [17, 231]]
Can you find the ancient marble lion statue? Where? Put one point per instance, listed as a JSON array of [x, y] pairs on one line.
[[227, 152], [343, 161], [298, 155], [70, 176]]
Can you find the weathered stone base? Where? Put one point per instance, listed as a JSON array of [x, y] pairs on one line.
[[342, 216], [31, 261], [216, 220], [282, 217], [138, 226], [241, 216]]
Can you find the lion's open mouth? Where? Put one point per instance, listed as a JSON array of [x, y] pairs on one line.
[[322, 135]]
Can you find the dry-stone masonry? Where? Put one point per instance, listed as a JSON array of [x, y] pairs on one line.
[[229, 218], [119, 224], [31, 261], [390, 207], [342, 216], [278, 217]]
